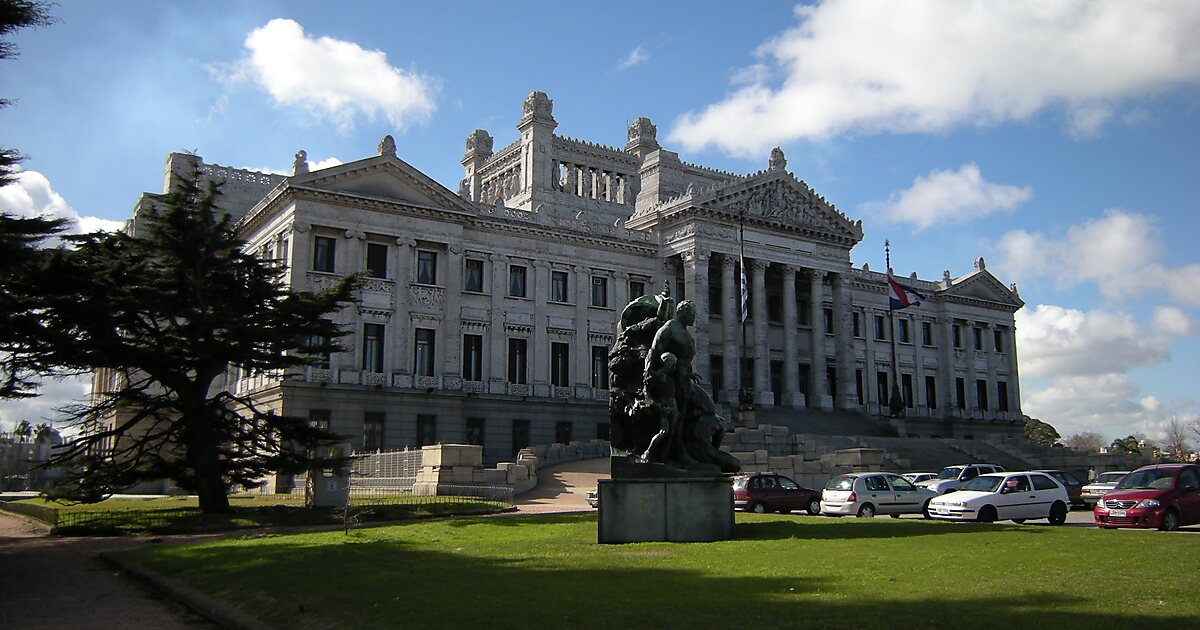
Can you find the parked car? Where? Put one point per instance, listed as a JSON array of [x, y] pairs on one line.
[[1069, 481], [867, 494], [769, 492], [593, 498], [953, 477], [918, 477], [1100, 486], [1015, 496], [1163, 496]]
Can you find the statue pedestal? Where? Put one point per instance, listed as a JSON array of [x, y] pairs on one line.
[[665, 510]]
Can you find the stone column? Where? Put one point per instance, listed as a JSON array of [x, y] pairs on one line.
[[1014, 388], [989, 361], [971, 354], [695, 278], [498, 373], [792, 397], [620, 293], [731, 322], [947, 403], [581, 369], [539, 348], [401, 340], [818, 393], [920, 402], [763, 396], [843, 341], [451, 322]]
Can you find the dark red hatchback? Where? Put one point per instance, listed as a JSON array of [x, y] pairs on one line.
[[1165, 496], [769, 492]]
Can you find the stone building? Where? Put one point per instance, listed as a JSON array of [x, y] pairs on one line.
[[488, 311]]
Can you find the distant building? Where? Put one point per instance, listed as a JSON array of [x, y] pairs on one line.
[[489, 309]]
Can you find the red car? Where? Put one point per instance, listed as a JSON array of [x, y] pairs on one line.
[[1165, 496], [769, 492]]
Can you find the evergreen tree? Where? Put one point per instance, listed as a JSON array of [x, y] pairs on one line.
[[1038, 432], [22, 330], [169, 310], [1127, 445]]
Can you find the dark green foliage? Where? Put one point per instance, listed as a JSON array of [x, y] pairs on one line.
[[1127, 445], [167, 311], [22, 331], [1038, 432]]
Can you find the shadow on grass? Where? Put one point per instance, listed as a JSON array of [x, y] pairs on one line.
[[783, 529], [358, 582]]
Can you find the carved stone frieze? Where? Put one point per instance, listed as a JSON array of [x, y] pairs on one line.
[[428, 297]]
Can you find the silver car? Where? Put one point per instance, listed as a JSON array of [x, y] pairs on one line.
[[1100, 486], [866, 494]]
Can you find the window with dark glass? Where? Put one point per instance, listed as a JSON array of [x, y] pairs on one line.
[[372, 357], [562, 432], [373, 431], [323, 357], [603, 431], [981, 393], [637, 289], [906, 389], [998, 340], [774, 308], [377, 260], [957, 329], [323, 251], [560, 364], [423, 347], [960, 393], [426, 430], [714, 300], [473, 275], [858, 385], [558, 286], [902, 331], [319, 418], [978, 333], [516, 281], [517, 361], [599, 291], [931, 392], [880, 328], [927, 333], [475, 431], [472, 367], [426, 267], [881, 387], [1002, 395], [827, 314], [856, 323], [802, 311], [600, 367], [520, 435]]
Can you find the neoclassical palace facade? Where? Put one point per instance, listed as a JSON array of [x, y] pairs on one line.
[[489, 310]]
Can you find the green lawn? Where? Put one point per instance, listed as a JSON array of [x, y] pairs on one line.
[[782, 571]]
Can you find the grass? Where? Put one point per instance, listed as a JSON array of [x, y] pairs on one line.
[[782, 571], [182, 514]]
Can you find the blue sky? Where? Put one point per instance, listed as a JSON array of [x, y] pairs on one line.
[[1059, 141]]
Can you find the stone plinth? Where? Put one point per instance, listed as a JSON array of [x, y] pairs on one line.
[[665, 510]]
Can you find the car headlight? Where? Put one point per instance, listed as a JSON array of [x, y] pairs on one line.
[[1149, 503], [956, 504]]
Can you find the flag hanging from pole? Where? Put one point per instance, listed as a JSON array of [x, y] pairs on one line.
[[745, 292], [899, 297]]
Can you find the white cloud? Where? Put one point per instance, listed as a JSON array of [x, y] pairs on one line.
[[32, 196], [860, 66], [945, 197], [637, 56], [332, 78], [54, 394], [1120, 252], [312, 166], [1106, 404]]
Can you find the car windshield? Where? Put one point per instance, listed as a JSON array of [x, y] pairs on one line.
[[985, 483], [840, 483], [1153, 478], [739, 483], [950, 473], [1109, 477]]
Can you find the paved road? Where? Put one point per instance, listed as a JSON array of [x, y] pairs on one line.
[[562, 488]]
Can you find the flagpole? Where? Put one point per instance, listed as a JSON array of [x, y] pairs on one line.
[[743, 404], [896, 404]]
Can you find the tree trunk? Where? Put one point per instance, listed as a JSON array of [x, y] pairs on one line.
[[204, 457]]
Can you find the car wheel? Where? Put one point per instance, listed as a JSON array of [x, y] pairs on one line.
[[866, 511], [1058, 513], [925, 511], [1170, 521], [814, 507], [1019, 521], [758, 508], [987, 514]]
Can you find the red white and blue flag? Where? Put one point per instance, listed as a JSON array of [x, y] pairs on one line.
[[745, 292], [899, 297]]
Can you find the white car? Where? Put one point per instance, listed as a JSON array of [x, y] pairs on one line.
[[1014, 496], [953, 477], [918, 477], [1100, 486], [867, 494]]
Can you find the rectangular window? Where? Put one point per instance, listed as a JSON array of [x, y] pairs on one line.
[[774, 308], [322, 357], [560, 364], [998, 340], [831, 380], [906, 389], [377, 260], [562, 432], [1002, 395], [472, 358], [600, 367], [423, 348], [927, 334], [373, 431], [475, 431], [858, 385], [881, 387], [516, 281], [957, 335], [856, 324], [903, 331], [558, 286], [426, 267], [426, 430], [960, 392], [880, 328], [978, 333], [602, 431], [599, 291], [714, 300], [827, 313], [473, 275], [802, 311], [981, 393], [518, 361], [323, 251], [520, 435], [372, 357], [637, 289], [319, 419], [931, 392]]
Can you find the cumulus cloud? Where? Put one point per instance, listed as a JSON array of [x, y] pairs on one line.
[[54, 394], [946, 197], [859, 66], [1107, 404], [31, 195], [1121, 252], [637, 56], [334, 79]]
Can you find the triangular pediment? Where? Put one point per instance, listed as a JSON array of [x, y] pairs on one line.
[[982, 286], [384, 178]]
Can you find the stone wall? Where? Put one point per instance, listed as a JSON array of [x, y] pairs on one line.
[[448, 468]]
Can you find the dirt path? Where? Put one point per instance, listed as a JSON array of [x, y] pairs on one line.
[[562, 488]]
